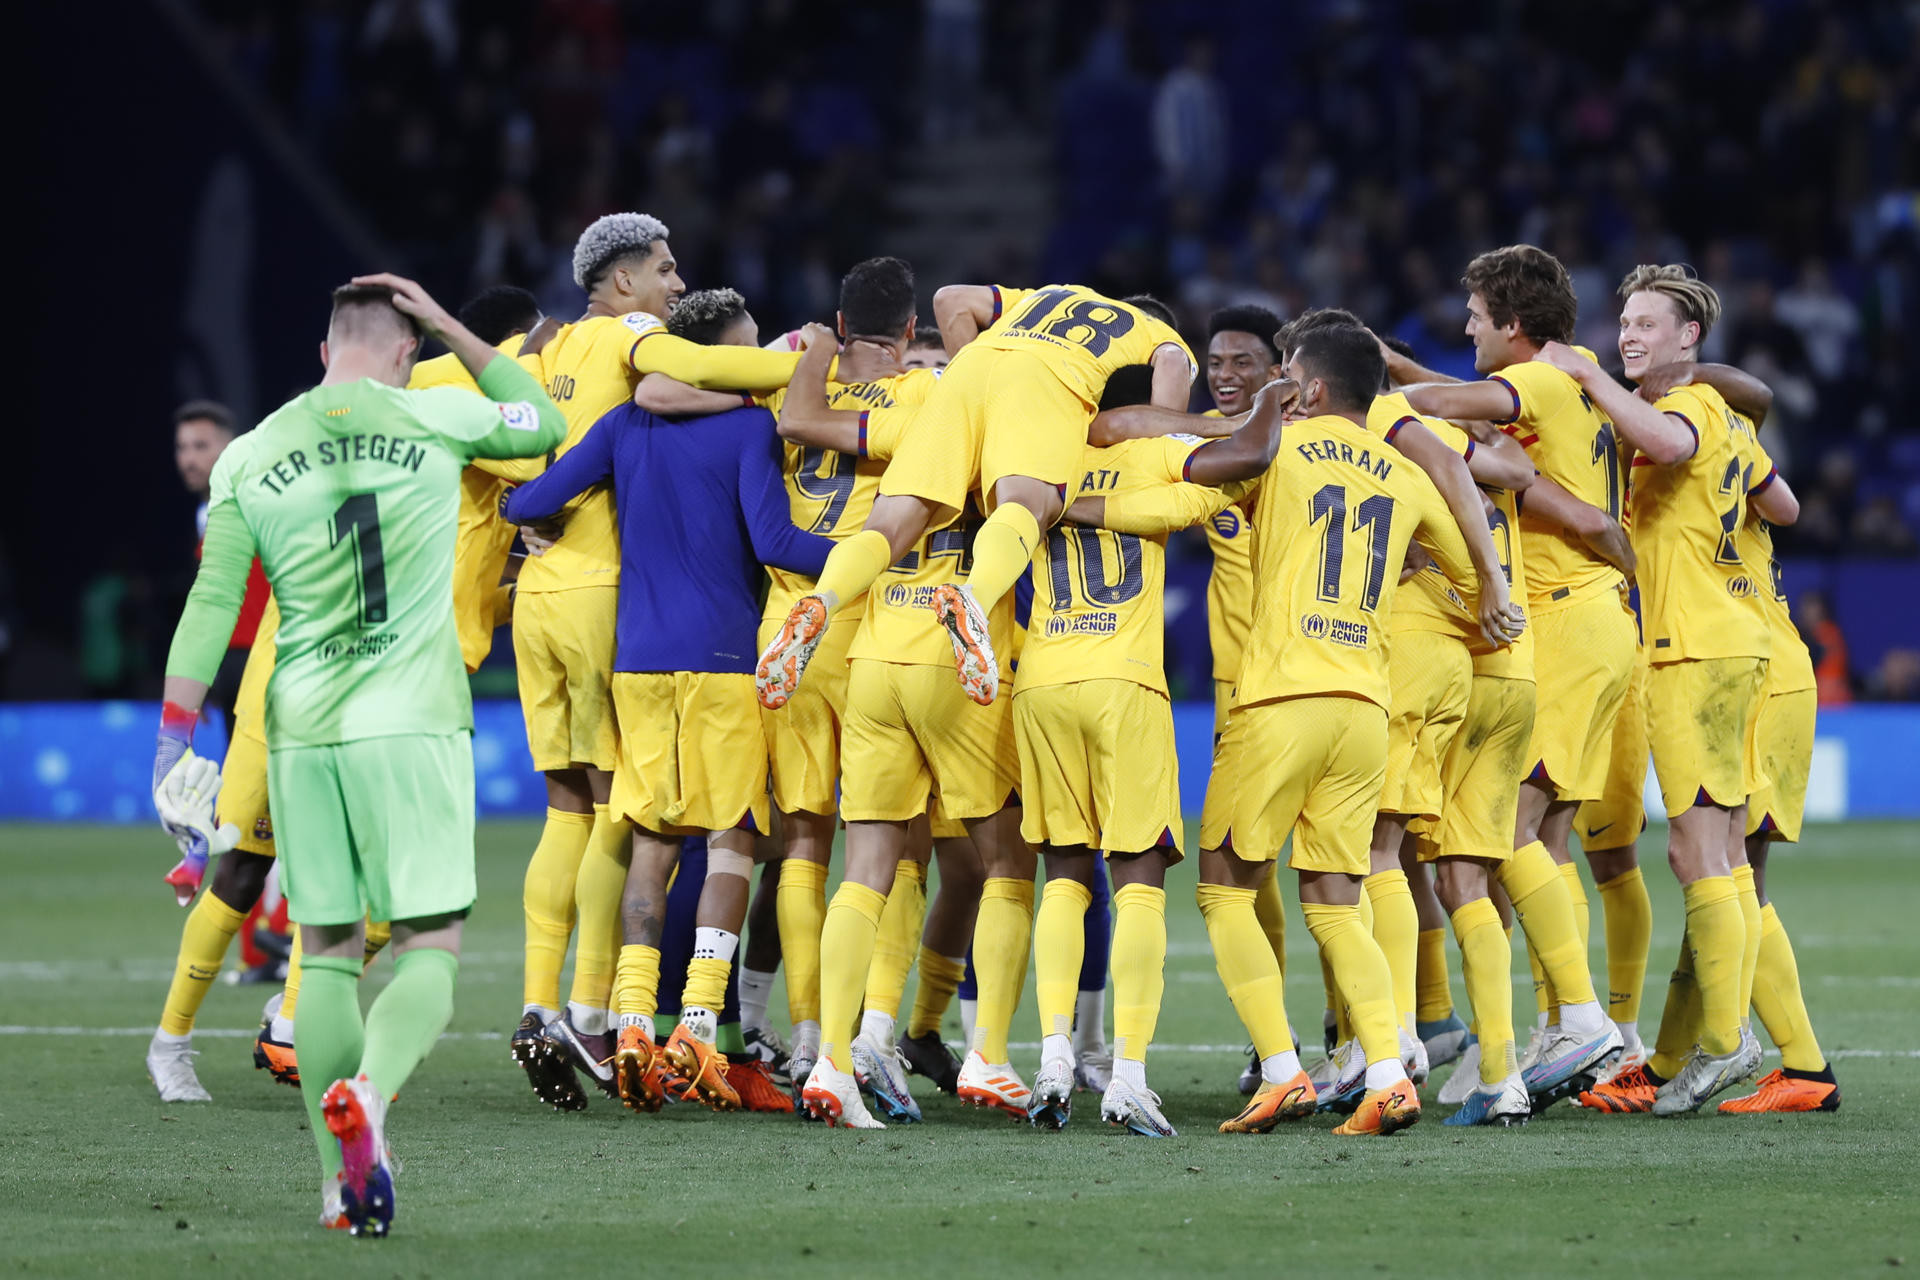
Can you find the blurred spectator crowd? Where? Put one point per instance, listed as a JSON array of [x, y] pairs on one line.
[[1324, 152], [1359, 154]]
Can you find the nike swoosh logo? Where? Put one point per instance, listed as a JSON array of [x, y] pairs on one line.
[[1597, 830]]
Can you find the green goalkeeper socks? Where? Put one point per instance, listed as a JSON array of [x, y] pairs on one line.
[[327, 1039], [408, 1017]]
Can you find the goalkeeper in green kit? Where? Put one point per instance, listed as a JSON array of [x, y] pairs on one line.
[[348, 494]]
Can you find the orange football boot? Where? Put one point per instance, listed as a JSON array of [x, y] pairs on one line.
[[776, 677], [1630, 1092], [754, 1083], [636, 1068], [966, 626], [275, 1057], [1384, 1111], [703, 1067], [1272, 1103], [1778, 1091]]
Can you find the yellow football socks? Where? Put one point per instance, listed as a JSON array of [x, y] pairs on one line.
[[1544, 999], [1679, 1019], [379, 934], [1247, 969], [1627, 914], [1719, 934], [1777, 998], [1001, 934], [800, 905], [1750, 918], [547, 899], [290, 994], [1545, 907], [706, 986], [1139, 967], [1486, 962], [1360, 969], [596, 894], [1059, 945], [853, 565], [1330, 991], [1582, 913], [1432, 985], [1396, 930], [846, 952], [899, 938], [1271, 911], [203, 946], [636, 984], [939, 978], [1002, 553]]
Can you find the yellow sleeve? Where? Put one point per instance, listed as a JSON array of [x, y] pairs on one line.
[[1005, 300], [712, 368], [1537, 389], [882, 430], [1164, 335], [1156, 510], [512, 470]]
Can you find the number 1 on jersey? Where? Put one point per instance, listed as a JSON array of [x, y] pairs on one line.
[[1374, 514], [358, 518]]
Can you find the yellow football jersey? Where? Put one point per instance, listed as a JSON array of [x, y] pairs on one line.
[[1573, 444], [1099, 597], [1336, 511], [1229, 587], [1431, 603], [831, 493], [1697, 597], [588, 370], [250, 702], [1082, 336], [482, 539], [1790, 665], [899, 624]]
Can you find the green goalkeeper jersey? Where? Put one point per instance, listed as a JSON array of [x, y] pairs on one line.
[[349, 494]]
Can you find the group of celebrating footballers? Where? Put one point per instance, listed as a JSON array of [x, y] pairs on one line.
[[1430, 676]]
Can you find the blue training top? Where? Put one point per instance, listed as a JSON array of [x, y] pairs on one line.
[[701, 508]]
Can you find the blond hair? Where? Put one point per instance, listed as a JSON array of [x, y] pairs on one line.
[[1693, 297]]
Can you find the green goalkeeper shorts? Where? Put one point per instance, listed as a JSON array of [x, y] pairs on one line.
[[381, 828]]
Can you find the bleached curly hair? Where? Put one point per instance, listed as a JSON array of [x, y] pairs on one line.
[[610, 239], [703, 315]]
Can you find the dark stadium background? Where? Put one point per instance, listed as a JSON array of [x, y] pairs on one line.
[[198, 174]]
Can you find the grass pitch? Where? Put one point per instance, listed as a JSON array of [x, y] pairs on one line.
[[97, 1177]]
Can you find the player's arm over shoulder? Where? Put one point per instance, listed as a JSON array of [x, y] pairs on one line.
[[1436, 529]]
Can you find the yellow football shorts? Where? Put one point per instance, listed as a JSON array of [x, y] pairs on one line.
[[563, 648], [911, 733], [803, 737], [1309, 767], [1785, 738], [1700, 720], [994, 414], [1097, 766], [1482, 771], [1222, 705], [1583, 661], [1616, 819], [243, 793], [692, 755], [1431, 676]]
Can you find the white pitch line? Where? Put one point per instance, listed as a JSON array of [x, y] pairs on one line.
[[1027, 1046]]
